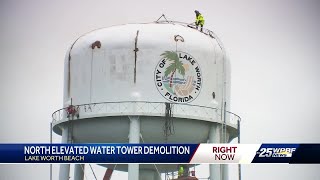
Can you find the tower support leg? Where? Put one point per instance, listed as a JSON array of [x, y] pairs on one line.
[[134, 137], [214, 137], [225, 167], [149, 175], [64, 168], [78, 171]]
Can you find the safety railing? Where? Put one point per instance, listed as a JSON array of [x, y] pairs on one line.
[[205, 31], [142, 108]]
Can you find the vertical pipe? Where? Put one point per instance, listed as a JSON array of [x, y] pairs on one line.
[[51, 133], [135, 57], [91, 76], [225, 140], [214, 137], [51, 143], [134, 137], [64, 168], [239, 165], [78, 171]]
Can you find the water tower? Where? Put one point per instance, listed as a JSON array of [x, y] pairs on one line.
[[160, 82]]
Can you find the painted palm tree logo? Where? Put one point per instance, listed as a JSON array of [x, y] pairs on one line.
[[175, 65], [178, 76]]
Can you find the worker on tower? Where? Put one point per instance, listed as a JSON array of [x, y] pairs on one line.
[[199, 20], [180, 171], [72, 111]]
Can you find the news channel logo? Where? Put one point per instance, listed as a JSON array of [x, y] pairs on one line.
[[282, 152]]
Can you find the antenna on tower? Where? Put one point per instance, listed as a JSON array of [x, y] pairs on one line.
[[164, 17]]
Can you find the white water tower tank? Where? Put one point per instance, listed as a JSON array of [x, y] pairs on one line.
[[146, 83]]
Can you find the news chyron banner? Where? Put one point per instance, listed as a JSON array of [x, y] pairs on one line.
[[160, 153]]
